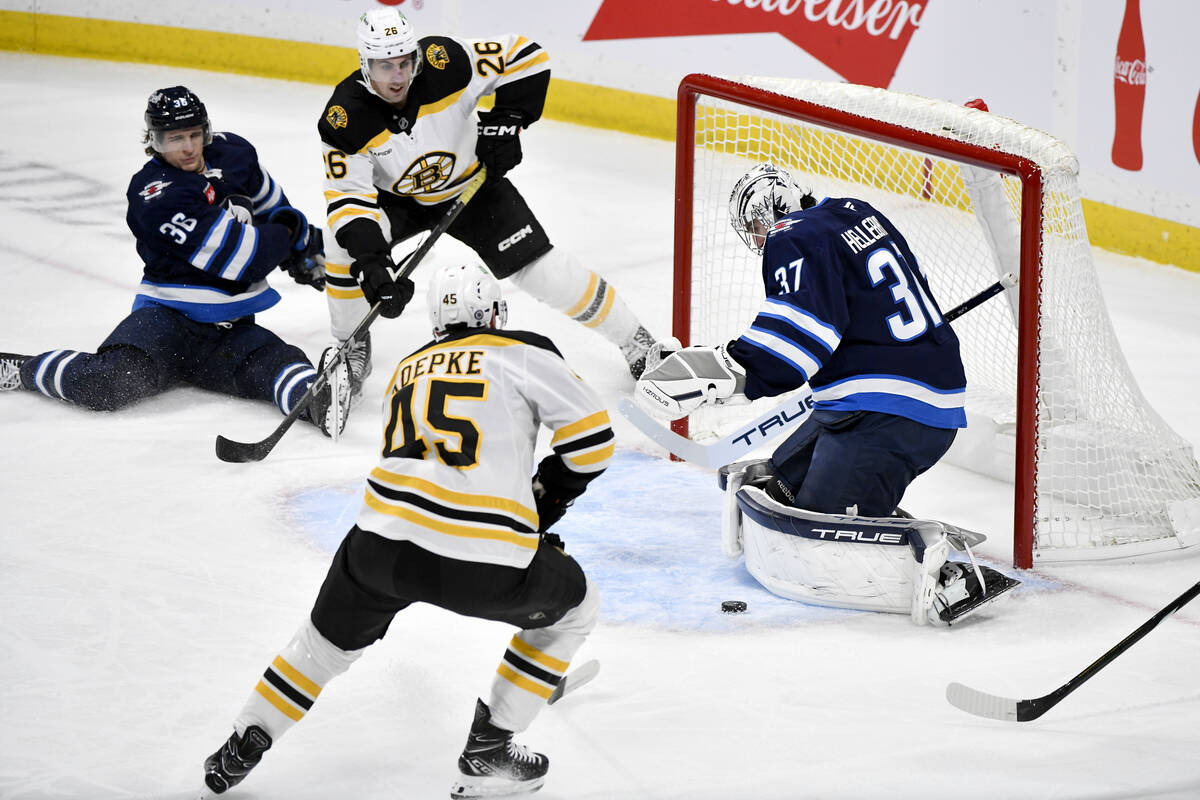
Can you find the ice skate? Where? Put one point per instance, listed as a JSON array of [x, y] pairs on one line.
[[359, 359], [331, 405], [960, 593], [227, 767], [492, 765], [10, 371]]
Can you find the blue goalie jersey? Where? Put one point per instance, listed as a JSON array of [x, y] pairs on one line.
[[849, 311], [198, 258]]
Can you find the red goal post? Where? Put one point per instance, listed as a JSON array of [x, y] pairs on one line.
[[976, 195]]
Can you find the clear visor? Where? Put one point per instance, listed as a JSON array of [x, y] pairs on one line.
[[181, 139], [392, 70]]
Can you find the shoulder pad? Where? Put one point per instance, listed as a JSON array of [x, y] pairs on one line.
[[446, 69], [353, 116]]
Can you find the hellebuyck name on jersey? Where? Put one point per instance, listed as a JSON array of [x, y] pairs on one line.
[[849, 311], [199, 259]]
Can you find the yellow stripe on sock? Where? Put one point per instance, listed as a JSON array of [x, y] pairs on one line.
[[285, 708], [522, 682], [610, 297], [532, 653], [587, 298], [295, 676]]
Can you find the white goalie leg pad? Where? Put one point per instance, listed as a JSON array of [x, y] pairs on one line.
[[731, 478], [842, 561], [535, 663], [560, 281], [293, 681]]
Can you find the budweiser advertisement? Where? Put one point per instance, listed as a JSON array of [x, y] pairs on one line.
[[861, 41]]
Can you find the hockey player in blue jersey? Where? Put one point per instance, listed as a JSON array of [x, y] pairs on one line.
[[849, 311], [210, 225]]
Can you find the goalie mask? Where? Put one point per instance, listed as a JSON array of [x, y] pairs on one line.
[[176, 108], [760, 198], [383, 34], [465, 297]]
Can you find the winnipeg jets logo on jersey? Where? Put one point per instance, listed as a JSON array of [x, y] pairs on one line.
[[783, 225], [427, 174], [153, 189]]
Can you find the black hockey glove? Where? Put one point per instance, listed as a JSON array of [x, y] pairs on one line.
[[305, 262], [240, 206], [499, 143], [555, 488], [373, 272]]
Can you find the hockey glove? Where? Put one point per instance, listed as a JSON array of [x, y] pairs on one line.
[[240, 206], [688, 379], [499, 143], [373, 272], [305, 262], [555, 488]]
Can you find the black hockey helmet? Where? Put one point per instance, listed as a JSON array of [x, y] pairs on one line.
[[171, 109]]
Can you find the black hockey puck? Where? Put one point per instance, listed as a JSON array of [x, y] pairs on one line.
[[733, 606]]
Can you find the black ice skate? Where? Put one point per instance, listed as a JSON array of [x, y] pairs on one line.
[[492, 765], [359, 359], [227, 767]]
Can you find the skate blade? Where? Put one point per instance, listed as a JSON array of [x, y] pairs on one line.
[[470, 787]]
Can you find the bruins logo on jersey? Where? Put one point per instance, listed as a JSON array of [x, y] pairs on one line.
[[436, 56], [337, 117], [427, 174]]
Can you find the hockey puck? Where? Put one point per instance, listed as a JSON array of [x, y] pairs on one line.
[[733, 607]]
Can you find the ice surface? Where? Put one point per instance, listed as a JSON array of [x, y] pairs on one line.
[[144, 585]]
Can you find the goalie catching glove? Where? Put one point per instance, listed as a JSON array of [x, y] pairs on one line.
[[688, 379], [306, 260]]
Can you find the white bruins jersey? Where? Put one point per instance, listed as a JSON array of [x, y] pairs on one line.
[[461, 419], [426, 151]]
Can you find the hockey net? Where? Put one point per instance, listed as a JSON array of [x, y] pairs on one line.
[[1052, 405]]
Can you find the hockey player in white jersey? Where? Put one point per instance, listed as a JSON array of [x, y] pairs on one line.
[[401, 139], [451, 517]]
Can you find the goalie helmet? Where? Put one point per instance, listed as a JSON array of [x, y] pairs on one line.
[[462, 296], [760, 198], [385, 33], [172, 109]]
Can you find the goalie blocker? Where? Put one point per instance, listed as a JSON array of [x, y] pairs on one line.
[[890, 564]]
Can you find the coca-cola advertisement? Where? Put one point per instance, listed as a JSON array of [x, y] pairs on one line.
[[1129, 89]]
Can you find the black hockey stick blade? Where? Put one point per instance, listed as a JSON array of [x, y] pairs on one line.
[[573, 680], [982, 704], [241, 452]]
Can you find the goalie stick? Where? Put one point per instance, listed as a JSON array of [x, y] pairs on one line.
[[751, 436], [238, 452], [573, 680], [982, 704]]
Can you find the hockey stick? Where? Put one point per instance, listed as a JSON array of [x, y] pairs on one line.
[[982, 704], [771, 424], [573, 680], [238, 452]]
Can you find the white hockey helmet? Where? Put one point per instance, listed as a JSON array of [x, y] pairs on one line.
[[385, 33], [465, 296], [760, 198]]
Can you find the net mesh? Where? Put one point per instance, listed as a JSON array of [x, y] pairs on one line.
[[1112, 478]]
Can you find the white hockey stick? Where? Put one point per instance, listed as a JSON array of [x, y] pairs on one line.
[[982, 704], [749, 437], [574, 679]]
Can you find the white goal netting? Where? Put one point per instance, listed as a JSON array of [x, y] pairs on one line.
[[1107, 476]]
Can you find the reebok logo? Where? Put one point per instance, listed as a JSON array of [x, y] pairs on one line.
[[516, 237]]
